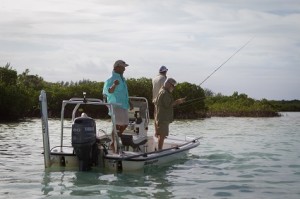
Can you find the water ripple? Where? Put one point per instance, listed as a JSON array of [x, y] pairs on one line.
[[238, 158]]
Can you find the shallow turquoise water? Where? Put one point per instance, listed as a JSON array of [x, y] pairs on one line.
[[237, 158]]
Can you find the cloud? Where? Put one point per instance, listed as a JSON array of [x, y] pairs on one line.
[[64, 40]]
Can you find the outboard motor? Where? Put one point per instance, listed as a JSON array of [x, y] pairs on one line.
[[84, 142]]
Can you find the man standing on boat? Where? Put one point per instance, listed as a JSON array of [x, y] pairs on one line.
[[157, 84], [164, 110], [116, 91]]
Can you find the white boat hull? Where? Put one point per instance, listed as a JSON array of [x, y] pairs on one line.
[[128, 160]]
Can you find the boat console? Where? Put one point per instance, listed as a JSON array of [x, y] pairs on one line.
[[135, 135]]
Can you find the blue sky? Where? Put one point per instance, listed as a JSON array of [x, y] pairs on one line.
[[72, 40]]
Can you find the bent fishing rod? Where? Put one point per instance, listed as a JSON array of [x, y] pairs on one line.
[[226, 60], [218, 69]]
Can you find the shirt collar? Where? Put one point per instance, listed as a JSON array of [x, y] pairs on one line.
[[117, 74]]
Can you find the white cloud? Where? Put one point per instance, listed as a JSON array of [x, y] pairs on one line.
[[64, 40]]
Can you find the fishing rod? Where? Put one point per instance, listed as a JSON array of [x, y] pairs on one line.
[[214, 72], [227, 60], [189, 102]]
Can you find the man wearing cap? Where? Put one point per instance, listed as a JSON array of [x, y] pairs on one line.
[[116, 91], [164, 110], [159, 81], [157, 84]]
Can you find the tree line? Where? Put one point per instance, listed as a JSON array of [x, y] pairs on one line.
[[20, 92]]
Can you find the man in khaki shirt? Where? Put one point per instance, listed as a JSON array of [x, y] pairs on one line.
[[164, 110]]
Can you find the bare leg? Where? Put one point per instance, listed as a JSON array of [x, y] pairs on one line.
[[120, 130], [112, 145], [161, 139], [155, 123], [155, 127]]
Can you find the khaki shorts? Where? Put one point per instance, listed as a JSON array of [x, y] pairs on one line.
[[163, 128], [121, 116]]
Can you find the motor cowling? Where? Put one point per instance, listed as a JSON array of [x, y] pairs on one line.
[[84, 142]]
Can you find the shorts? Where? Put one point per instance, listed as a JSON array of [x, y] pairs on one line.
[[163, 128], [121, 116]]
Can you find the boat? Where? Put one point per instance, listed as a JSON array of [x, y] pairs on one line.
[[89, 146]]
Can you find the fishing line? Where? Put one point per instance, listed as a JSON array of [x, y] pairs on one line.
[[226, 60], [187, 103]]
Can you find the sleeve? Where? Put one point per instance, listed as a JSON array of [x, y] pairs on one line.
[[106, 86]]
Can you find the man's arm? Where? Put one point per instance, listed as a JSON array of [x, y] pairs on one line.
[[113, 87]]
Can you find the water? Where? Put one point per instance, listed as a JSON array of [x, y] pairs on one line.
[[237, 158]]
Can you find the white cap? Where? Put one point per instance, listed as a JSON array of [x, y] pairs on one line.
[[163, 69]]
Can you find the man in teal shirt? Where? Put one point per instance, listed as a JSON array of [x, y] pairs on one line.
[[116, 91]]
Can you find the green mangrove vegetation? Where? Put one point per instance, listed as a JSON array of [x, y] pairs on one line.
[[20, 92], [239, 105]]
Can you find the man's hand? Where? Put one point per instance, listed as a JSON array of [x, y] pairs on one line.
[[179, 101], [116, 82], [113, 87]]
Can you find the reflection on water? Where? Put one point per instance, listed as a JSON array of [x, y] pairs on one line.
[[149, 184], [46, 187]]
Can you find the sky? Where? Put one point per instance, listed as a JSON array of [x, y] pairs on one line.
[[73, 40]]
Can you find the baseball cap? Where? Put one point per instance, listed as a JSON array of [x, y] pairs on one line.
[[120, 63], [171, 81], [163, 69]]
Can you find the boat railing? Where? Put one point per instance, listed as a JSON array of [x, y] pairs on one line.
[[140, 102], [85, 99], [52, 149], [179, 146], [77, 102]]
